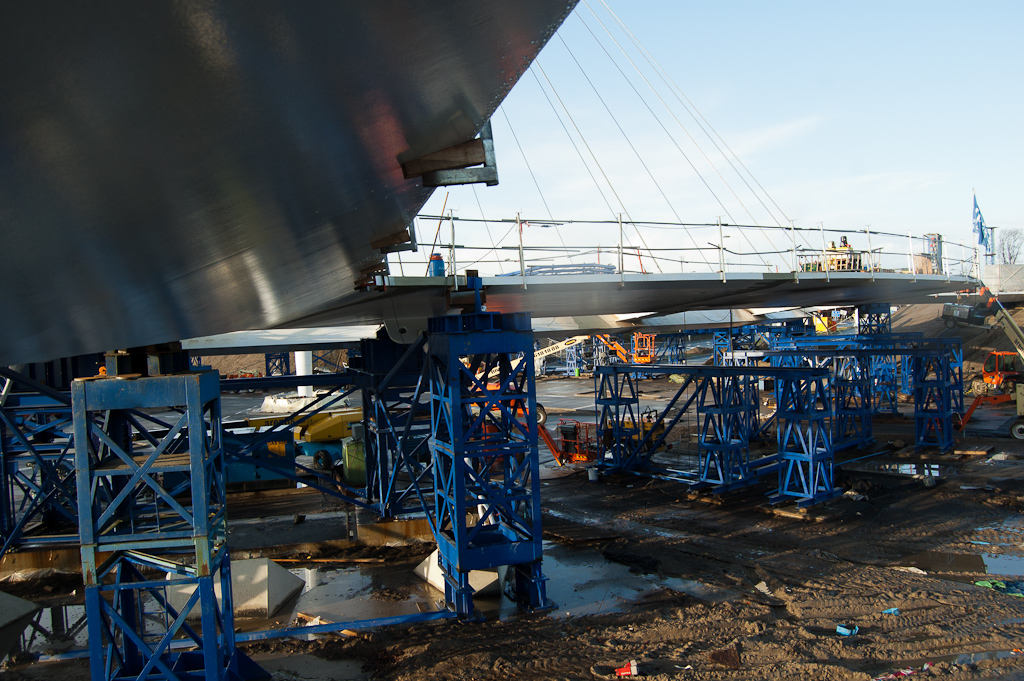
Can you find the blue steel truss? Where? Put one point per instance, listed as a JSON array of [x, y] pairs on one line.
[[933, 404], [727, 411], [38, 504], [617, 401], [727, 403], [486, 488], [396, 415], [127, 512], [278, 363], [851, 384], [874, 318], [38, 497], [740, 338], [803, 413]]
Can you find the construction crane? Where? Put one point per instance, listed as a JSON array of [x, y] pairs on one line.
[[1001, 369], [544, 352], [643, 348]]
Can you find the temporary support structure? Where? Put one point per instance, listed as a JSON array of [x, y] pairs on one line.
[[278, 363], [38, 505], [803, 413], [851, 386], [38, 497], [874, 318], [137, 498], [933, 404], [397, 426], [485, 462], [740, 338], [726, 399], [728, 414], [671, 348]]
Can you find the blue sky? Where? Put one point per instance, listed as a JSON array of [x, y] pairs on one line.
[[870, 113]]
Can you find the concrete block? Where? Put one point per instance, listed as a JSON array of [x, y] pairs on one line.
[[484, 582], [15, 615], [259, 588]]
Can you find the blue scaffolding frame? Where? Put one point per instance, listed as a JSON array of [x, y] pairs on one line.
[[278, 363], [727, 401], [126, 510], [874, 319], [933, 403], [38, 488], [399, 466], [38, 495], [486, 488], [803, 416]]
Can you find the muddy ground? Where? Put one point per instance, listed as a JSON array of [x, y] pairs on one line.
[[775, 588], [843, 564]]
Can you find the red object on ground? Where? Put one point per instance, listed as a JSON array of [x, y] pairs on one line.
[[628, 670]]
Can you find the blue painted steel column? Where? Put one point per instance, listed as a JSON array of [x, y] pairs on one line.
[[803, 414], [875, 319], [727, 410], [955, 350], [852, 425], [38, 506], [485, 463], [141, 494], [933, 404]]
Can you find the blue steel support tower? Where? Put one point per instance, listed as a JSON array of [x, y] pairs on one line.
[[805, 447], [486, 489], [278, 363], [141, 494]]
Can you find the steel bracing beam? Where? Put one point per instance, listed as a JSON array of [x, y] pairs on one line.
[[278, 363], [38, 498], [874, 318]]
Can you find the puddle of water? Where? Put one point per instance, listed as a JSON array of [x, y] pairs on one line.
[[1011, 524], [359, 593], [701, 591], [998, 564], [910, 469], [986, 563], [971, 658], [581, 581]]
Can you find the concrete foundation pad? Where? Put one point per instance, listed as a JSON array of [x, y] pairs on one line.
[[484, 582], [259, 587]]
